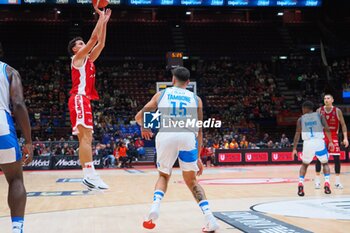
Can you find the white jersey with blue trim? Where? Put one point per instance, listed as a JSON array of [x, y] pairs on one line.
[[4, 89], [178, 104], [311, 126], [9, 148]]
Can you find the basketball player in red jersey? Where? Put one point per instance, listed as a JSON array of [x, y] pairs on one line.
[[334, 116], [83, 91]]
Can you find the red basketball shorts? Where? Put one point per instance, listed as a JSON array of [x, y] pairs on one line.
[[80, 113]]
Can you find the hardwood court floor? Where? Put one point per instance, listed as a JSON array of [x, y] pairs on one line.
[[123, 207]]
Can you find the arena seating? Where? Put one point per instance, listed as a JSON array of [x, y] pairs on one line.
[[237, 40]]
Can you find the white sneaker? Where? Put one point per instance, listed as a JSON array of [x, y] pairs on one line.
[[339, 186], [94, 183], [211, 224], [317, 185]]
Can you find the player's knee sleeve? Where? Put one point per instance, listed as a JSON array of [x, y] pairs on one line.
[[318, 166], [337, 164]]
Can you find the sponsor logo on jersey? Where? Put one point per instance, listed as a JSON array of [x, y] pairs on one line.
[[79, 108]]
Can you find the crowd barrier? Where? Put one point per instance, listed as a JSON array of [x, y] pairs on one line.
[[59, 162], [262, 156]]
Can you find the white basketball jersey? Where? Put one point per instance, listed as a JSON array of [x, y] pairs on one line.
[[311, 126], [178, 105], [4, 89]]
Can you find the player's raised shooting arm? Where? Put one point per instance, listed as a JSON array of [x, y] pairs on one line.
[[19, 108], [297, 134], [343, 124], [326, 128], [200, 130], [152, 105], [92, 41], [101, 37]]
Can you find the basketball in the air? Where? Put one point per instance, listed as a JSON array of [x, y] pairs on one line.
[[101, 3]]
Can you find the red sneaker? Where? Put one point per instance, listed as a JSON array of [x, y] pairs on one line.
[[149, 224], [327, 188], [301, 190]]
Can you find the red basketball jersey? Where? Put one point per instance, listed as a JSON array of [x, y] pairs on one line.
[[332, 120], [83, 80]]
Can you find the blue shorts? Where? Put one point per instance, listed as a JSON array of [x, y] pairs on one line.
[[9, 148]]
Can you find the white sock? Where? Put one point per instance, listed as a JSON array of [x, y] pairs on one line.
[[337, 179], [157, 198], [17, 224], [301, 179], [317, 179], [326, 178], [204, 205], [89, 169]]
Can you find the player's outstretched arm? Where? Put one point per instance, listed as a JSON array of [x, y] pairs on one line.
[[327, 132], [19, 109], [200, 135], [82, 53], [101, 37], [343, 127], [296, 137]]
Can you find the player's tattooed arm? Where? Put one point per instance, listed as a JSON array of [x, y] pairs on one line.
[[198, 193], [297, 137], [200, 137]]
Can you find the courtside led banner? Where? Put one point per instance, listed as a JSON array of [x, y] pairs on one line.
[[280, 156], [230, 157], [257, 157], [264, 156]]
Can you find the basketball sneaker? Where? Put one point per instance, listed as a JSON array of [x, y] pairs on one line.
[[339, 186], [149, 224], [94, 183], [317, 185], [301, 190], [327, 188], [152, 216], [211, 224]]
